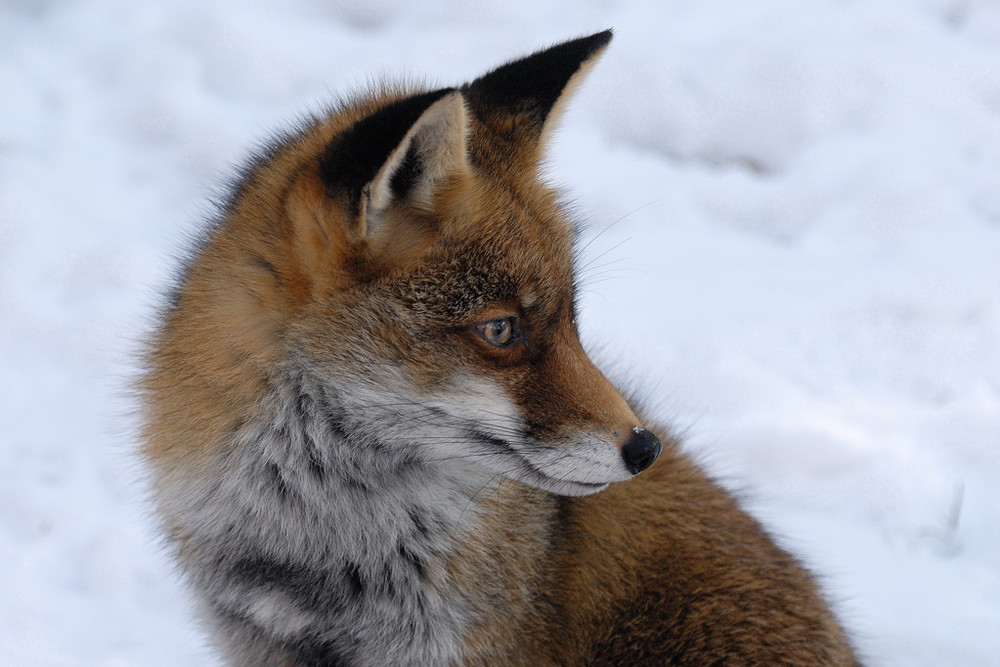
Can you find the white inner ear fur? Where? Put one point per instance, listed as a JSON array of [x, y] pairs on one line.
[[439, 138]]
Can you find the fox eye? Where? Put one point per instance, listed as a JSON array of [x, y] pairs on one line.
[[501, 332]]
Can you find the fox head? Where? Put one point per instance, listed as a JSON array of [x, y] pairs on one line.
[[404, 253]]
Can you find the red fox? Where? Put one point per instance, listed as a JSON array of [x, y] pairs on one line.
[[375, 438]]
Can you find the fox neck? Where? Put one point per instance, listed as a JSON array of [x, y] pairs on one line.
[[342, 537]]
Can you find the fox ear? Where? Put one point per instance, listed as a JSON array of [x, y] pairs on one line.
[[401, 153], [518, 99]]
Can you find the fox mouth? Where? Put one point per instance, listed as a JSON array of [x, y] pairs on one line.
[[557, 485], [529, 474]]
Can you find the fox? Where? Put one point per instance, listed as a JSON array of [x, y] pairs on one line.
[[373, 436]]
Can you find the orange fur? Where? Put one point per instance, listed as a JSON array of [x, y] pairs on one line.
[[321, 361]]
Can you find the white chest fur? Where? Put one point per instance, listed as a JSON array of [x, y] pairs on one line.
[[327, 542]]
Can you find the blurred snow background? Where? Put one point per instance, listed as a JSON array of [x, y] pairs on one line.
[[792, 219]]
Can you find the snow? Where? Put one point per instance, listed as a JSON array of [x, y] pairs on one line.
[[792, 231]]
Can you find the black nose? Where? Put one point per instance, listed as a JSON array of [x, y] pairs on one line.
[[641, 450]]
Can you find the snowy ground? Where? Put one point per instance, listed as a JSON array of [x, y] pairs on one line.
[[802, 271]]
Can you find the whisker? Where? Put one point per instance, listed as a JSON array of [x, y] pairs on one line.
[[618, 220]]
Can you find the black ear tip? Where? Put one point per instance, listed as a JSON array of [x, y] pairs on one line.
[[532, 85], [600, 39], [583, 48]]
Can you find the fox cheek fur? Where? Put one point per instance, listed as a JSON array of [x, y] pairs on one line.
[[374, 437]]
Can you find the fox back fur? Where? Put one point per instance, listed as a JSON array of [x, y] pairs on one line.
[[375, 439]]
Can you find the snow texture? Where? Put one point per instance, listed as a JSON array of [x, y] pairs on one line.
[[792, 247]]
